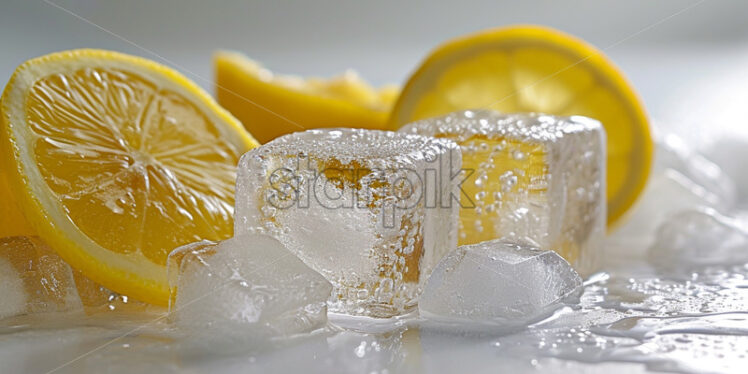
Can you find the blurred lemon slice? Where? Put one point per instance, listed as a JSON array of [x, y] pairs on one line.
[[115, 160], [537, 69], [271, 105]]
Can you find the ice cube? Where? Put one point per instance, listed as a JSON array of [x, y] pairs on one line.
[[536, 178], [248, 285], [696, 238], [498, 281], [372, 211], [34, 279]]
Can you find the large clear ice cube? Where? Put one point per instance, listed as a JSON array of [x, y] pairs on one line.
[[249, 285], [498, 281], [34, 279], [536, 178], [372, 211]]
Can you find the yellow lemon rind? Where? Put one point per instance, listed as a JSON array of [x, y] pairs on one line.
[[40, 208]]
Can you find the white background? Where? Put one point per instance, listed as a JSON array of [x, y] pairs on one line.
[[687, 58]]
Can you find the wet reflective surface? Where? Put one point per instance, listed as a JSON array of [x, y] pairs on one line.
[[633, 318]]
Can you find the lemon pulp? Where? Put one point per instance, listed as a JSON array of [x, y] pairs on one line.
[[112, 179]]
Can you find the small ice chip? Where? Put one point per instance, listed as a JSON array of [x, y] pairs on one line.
[[500, 282], [249, 284]]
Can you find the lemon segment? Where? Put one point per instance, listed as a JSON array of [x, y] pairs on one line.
[[115, 161], [271, 105], [537, 69]]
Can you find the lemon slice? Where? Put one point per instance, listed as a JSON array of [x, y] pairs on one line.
[[271, 105], [537, 69], [115, 161]]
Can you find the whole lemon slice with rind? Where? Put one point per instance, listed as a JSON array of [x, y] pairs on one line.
[[270, 105], [116, 160], [538, 69]]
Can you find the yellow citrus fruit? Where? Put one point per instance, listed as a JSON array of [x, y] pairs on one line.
[[537, 69], [271, 105], [116, 160]]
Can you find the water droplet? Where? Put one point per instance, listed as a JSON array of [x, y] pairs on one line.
[[268, 211], [507, 180], [360, 351]]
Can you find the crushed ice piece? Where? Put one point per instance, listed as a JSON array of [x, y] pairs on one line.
[[248, 285], [667, 193], [681, 179], [372, 211], [498, 281], [537, 178], [34, 279], [697, 238], [711, 182], [729, 153]]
